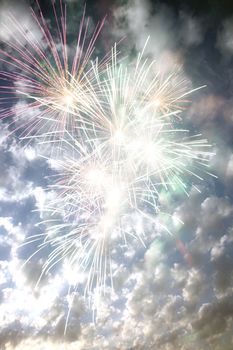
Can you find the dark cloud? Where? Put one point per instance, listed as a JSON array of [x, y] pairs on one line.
[[13, 334], [212, 318]]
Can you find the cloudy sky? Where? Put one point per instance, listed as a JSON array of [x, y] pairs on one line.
[[177, 291]]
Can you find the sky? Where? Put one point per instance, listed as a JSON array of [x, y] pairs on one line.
[[176, 292]]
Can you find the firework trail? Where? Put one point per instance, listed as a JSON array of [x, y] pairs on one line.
[[119, 127]]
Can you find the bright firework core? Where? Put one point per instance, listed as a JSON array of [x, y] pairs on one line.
[[103, 184], [68, 99]]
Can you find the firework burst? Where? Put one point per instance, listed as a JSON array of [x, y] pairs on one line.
[[118, 126], [118, 166], [54, 90]]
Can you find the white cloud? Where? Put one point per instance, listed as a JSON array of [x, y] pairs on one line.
[[10, 11], [229, 169], [159, 301], [191, 30], [225, 37], [136, 20]]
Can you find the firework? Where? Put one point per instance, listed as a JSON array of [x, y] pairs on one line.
[[117, 167], [118, 125], [54, 91]]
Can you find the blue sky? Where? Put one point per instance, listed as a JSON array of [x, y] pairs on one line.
[[176, 292]]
